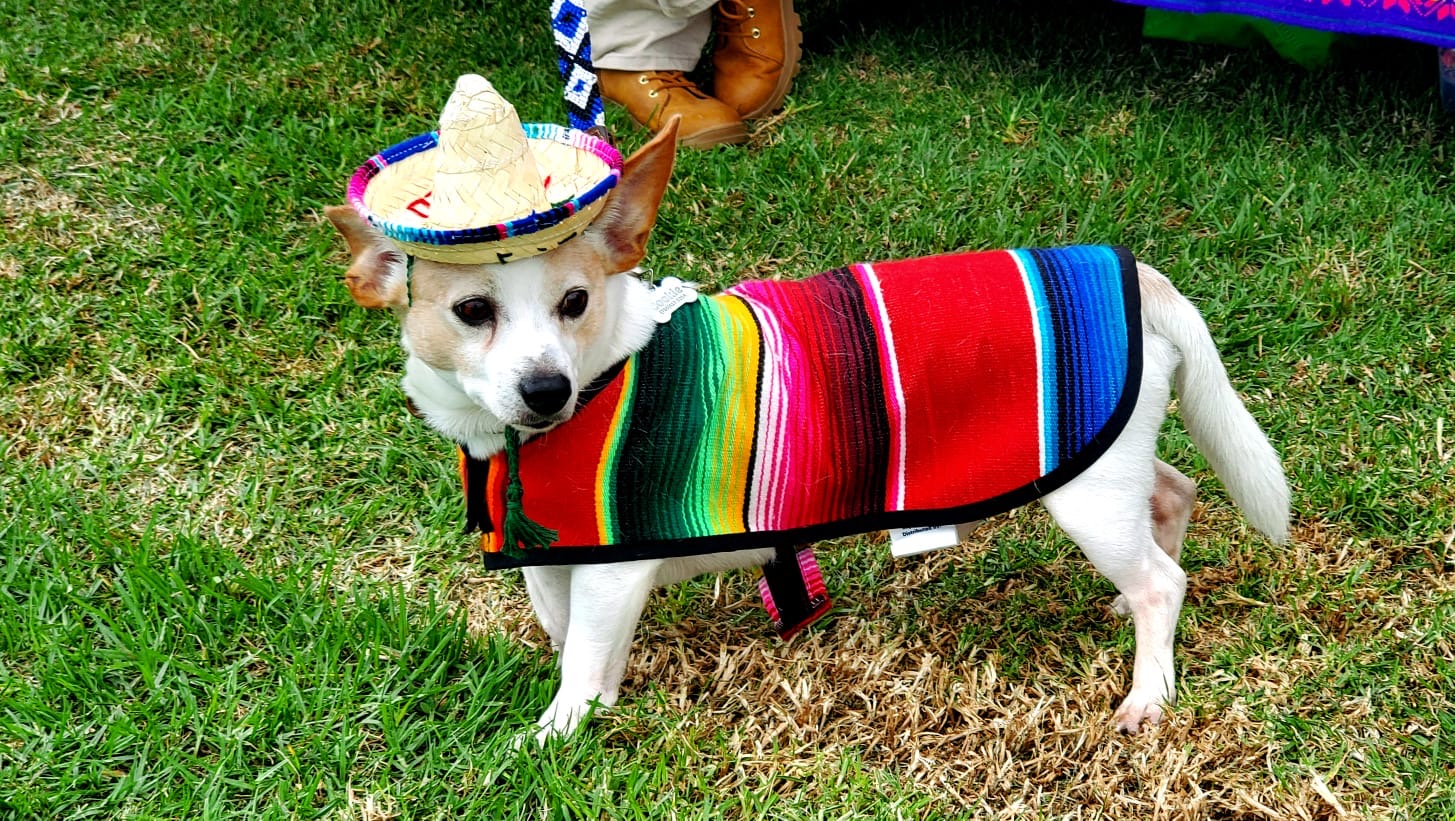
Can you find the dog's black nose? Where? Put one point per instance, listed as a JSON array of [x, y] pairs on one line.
[[545, 393]]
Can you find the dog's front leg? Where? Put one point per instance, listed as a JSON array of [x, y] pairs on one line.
[[606, 601], [550, 594]]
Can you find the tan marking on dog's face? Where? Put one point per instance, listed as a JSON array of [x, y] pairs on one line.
[[579, 265], [503, 329]]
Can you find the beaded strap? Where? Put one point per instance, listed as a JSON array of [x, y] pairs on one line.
[[584, 108]]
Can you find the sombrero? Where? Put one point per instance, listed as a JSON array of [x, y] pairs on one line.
[[485, 188]]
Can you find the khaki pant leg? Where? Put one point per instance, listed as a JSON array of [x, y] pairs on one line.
[[640, 35]]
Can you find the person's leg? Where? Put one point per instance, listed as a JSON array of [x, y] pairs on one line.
[[755, 55], [641, 51], [632, 35]]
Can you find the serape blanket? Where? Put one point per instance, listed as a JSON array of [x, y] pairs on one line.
[[888, 395], [1425, 21]]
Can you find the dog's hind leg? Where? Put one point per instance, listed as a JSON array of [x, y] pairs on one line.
[[1173, 495], [1114, 530], [550, 594], [606, 602], [1106, 511]]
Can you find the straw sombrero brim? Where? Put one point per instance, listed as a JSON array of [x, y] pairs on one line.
[[389, 188]]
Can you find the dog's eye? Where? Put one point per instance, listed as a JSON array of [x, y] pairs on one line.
[[475, 311], [573, 304]]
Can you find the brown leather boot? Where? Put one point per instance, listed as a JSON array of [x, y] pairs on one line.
[[755, 55], [652, 97]]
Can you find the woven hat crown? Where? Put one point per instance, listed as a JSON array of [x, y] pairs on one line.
[[486, 173], [485, 188]]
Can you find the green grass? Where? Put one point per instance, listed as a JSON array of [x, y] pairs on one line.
[[232, 579]]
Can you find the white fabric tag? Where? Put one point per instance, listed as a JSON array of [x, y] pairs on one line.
[[669, 295], [911, 541]]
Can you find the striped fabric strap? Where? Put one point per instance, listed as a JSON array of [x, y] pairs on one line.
[[793, 591], [584, 108]]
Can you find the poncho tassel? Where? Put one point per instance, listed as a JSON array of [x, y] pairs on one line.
[[519, 532]]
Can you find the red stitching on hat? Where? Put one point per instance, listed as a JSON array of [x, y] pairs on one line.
[[420, 207]]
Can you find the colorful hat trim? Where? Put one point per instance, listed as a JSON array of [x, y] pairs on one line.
[[397, 188]]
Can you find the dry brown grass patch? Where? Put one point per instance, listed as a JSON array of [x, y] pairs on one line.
[[1034, 741], [369, 807], [32, 207], [64, 417]]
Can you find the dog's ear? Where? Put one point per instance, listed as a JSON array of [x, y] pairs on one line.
[[624, 226], [377, 276]]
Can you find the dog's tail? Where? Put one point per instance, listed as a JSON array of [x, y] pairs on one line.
[[1215, 417]]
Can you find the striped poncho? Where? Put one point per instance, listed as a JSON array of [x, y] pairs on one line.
[[905, 394]]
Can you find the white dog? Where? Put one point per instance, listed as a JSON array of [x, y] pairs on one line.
[[491, 346]]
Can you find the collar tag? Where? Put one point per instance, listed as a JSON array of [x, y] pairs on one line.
[[669, 295]]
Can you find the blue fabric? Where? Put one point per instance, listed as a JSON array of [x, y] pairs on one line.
[[1424, 21], [1089, 325]]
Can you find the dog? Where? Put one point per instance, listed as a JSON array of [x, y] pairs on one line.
[[495, 346]]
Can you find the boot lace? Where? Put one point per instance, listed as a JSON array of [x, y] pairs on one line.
[[668, 80]]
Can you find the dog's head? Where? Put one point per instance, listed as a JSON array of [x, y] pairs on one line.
[[519, 340]]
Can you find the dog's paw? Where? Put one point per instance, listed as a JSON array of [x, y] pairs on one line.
[[562, 719], [539, 736], [1134, 714], [527, 740], [534, 738]]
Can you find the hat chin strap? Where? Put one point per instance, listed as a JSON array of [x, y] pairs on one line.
[[409, 280]]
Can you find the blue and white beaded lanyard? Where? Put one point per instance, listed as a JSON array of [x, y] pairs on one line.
[[584, 108]]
